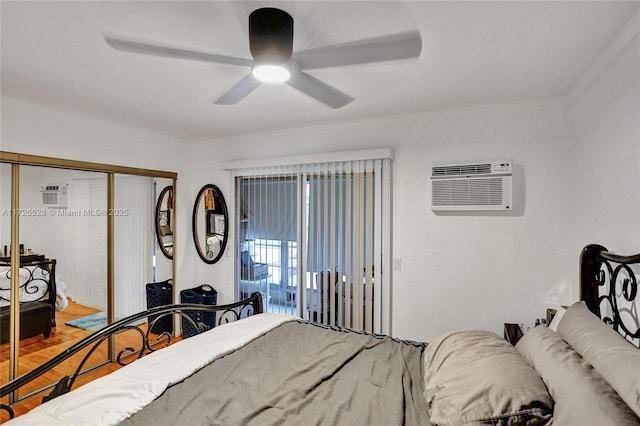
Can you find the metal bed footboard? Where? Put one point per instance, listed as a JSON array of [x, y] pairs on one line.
[[148, 343]]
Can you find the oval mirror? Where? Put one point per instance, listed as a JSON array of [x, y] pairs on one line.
[[164, 221], [209, 223]]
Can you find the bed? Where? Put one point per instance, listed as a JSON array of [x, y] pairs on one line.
[[276, 369], [38, 298]]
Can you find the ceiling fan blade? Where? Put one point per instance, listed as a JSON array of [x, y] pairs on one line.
[[154, 48], [239, 91], [318, 90], [386, 48]]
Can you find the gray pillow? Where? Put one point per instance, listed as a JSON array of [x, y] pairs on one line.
[[617, 360], [475, 377], [581, 395]]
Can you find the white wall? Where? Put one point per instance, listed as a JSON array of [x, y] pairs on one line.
[[604, 121], [458, 271]]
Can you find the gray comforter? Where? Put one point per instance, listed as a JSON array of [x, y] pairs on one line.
[[300, 374]]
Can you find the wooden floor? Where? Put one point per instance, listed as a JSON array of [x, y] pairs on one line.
[[37, 350]]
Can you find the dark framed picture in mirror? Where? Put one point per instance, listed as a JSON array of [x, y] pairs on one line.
[[209, 223], [164, 221]]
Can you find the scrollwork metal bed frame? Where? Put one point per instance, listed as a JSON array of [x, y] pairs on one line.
[[148, 343], [33, 284], [37, 278], [609, 287]]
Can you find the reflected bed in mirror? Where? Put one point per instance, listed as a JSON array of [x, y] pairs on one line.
[[164, 221], [210, 219]]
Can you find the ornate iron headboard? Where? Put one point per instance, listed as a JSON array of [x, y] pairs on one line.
[[609, 287], [37, 278]]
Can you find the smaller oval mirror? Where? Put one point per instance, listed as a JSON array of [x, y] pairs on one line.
[[164, 221], [209, 223]]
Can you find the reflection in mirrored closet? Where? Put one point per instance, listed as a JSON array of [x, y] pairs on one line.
[[5, 241], [133, 215], [165, 223], [164, 230], [86, 237], [62, 221]]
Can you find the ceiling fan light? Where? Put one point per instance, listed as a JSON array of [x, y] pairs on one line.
[[271, 73]]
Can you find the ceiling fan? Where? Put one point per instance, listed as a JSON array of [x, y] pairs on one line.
[[271, 45]]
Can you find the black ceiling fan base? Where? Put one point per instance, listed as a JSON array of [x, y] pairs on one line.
[[270, 35]]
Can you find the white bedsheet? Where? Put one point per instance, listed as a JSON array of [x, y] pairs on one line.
[[112, 398], [61, 297]]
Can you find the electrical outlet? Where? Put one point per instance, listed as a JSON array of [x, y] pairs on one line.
[[397, 263]]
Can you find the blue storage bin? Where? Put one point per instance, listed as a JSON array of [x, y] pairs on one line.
[[204, 295], [159, 294]]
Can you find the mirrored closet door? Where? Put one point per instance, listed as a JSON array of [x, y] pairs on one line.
[[134, 229], [86, 245], [5, 272], [62, 239]]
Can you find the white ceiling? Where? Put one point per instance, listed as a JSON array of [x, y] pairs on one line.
[[473, 53]]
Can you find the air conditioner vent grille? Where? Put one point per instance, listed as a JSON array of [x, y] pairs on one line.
[[49, 198], [462, 170], [468, 192]]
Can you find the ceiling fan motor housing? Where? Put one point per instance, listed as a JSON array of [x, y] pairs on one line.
[[270, 35]]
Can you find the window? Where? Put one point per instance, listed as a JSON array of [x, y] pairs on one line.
[[314, 237]]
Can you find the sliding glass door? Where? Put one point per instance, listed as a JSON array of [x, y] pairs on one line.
[[311, 240], [269, 239]]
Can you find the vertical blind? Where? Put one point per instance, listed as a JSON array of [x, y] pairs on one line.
[[88, 281], [314, 238], [133, 239]]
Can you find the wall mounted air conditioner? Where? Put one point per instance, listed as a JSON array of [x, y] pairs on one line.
[[478, 186], [55, 196]]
